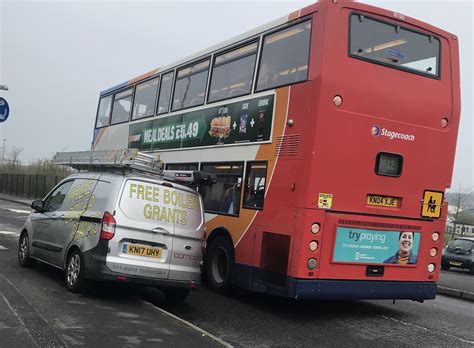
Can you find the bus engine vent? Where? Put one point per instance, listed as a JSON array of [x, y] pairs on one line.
[[288, 145]]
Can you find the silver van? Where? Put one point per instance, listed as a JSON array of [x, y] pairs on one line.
[[119, 226]]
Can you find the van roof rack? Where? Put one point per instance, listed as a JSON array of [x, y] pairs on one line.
[[133, 160]]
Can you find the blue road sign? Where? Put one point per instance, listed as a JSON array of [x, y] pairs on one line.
[[4, 110]]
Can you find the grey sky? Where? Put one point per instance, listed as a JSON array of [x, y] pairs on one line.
[[57, 56]]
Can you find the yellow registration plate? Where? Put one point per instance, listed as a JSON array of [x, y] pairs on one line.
[[382, 201], [454, 263], [140, 250]]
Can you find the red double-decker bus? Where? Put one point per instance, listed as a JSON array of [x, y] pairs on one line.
[[332, 133]]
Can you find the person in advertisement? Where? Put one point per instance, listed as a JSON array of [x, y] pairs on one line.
[[404, 255]]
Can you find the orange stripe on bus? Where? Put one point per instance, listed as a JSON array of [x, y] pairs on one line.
[[144, 76], [293, 15]]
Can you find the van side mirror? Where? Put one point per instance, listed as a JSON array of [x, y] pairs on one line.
[[38, 206]]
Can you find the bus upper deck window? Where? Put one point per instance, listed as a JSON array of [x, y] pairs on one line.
[[391, 45], [165, 92], [145, 99], [232, 73], [285, 57], [190, 86], [122, 106], [103, 114]]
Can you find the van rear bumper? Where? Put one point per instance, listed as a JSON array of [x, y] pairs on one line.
[[96, 269]]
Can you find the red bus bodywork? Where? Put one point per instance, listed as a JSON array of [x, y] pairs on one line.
[[334, 152]]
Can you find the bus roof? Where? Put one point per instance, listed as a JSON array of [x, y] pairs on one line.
[[273, 24]]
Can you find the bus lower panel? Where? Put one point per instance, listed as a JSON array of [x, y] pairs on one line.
[[257, 279]]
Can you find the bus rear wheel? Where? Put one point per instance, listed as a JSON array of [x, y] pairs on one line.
[[220, 265]]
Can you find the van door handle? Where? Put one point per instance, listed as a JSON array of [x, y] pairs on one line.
[[160, 230]]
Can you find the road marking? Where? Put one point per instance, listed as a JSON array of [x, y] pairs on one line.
[[10, 233], [191, 325], [427, 329], [27, 301], [20, 211], [19, 319], [2, 248]]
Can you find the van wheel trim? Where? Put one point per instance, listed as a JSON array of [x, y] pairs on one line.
[[23, 251], [73, 269]]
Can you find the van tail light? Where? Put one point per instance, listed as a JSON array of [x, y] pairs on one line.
[[107, 229]]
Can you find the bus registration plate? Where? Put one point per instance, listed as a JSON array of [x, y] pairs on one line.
[[140, 250], [382, 201]]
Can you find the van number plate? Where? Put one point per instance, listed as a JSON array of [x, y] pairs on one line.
[[140, 250]]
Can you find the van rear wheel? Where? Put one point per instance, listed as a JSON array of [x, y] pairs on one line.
[[220, 265], [75, 280]]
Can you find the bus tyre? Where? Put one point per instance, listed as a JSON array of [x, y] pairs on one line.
[[75, 280], [220, 265], [176, 295], [24, 258]]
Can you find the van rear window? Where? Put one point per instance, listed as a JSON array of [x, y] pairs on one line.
[[393, 46]]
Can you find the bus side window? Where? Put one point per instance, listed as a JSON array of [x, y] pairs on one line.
[[165, 92], [103, 114], [223, 197], [254, 192], [122, 106], [190, 86], [232, 73], [145, 99], [277, 67]]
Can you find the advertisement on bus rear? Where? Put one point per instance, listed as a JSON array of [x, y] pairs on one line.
[[376, 246]]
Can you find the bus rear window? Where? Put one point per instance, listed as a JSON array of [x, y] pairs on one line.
[[393, 46]]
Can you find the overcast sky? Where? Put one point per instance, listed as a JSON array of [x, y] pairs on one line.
[[57, 56]]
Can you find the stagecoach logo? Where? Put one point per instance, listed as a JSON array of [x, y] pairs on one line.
[[377, 131]]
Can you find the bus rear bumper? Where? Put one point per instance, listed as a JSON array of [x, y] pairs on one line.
[[364, 289]]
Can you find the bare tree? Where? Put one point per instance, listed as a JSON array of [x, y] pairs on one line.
[[15, 154]]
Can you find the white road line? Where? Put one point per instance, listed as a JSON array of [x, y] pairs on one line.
[[427, 329], [3, 248], [9, 233], [191, 325], [27, 301], [20, 211], [20, 320]]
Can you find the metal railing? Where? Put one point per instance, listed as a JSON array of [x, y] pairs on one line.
[[27, 185]]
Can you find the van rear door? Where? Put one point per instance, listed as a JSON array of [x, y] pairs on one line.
[[145, 226], [189, 232]]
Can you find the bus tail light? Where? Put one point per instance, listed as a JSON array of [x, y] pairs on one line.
[[435, 236], [315, 228], [433, 252], [107, 229], [313, 245], [312, 263], [431, 267]]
